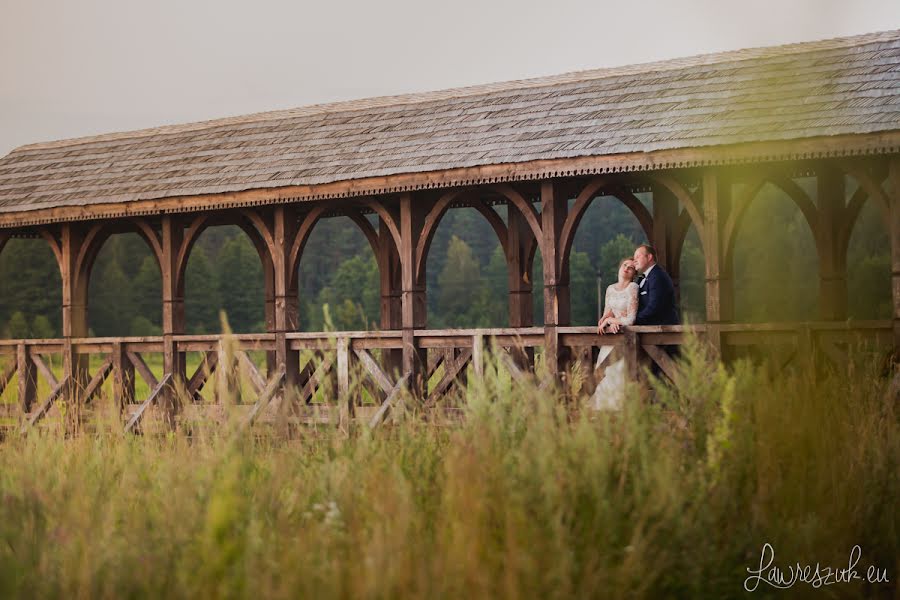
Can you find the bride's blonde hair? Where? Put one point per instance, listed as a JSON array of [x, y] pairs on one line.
[[623, 261]]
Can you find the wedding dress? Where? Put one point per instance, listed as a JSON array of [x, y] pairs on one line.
[[610, 392]]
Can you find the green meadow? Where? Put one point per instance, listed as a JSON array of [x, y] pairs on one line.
[[530, 495]]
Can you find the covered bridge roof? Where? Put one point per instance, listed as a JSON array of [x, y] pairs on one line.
[[638, 117]]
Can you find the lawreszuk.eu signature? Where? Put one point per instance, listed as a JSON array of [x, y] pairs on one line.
[[816, 576]]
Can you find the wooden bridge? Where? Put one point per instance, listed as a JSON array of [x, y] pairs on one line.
[[700, 137]]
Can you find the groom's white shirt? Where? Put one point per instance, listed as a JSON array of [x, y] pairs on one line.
[[647, 272]]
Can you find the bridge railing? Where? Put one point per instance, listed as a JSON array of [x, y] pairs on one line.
[[362, 368]]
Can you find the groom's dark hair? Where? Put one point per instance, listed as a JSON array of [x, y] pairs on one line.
[[649, 250]]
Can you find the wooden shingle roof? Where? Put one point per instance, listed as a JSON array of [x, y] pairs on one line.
[[842, 87]]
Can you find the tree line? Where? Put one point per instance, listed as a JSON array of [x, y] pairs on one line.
[[776, 275]]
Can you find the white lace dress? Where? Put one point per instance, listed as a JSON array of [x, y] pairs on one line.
[[610, 392]]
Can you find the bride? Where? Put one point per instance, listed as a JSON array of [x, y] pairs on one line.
[[621, 309]]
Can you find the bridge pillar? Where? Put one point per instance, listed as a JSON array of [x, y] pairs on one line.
[[74, 314], [391, 293], [665, 220], [832, 255], [412, 299], [554, 206], [173, 321], [519, 251], [894, 198], [716, 190], [286, 306]]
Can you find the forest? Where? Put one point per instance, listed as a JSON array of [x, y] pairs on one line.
[[776, 276]]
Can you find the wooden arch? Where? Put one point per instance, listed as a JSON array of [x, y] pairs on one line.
[[436, 215], [785, 184], [584, 199]]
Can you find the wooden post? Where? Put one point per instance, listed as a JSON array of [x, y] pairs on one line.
[[832, 260], [123, 376], [74, 314], [287, 308], [665, 217], [519, 242], [391, 294], [173, 314], [556, 276], [269, 282], [27, 378], [719, 283], [894, 198], [413, 294]]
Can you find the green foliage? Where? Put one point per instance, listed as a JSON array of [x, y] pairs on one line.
[[41, 327], [354, 290], [202, 301], [241, 285], [582, 277], [18, 326], [147, 287], [525, 497], [142, 327], [459, 281]]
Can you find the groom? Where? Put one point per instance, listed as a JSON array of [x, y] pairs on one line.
[[656, 294]]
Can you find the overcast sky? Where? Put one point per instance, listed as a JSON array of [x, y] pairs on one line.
[[79, 67]]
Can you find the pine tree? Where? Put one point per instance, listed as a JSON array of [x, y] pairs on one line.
[[18, 326], [111, 304], [147, 287], [582, 289], [202, 301], [241, 285], [458, 283]]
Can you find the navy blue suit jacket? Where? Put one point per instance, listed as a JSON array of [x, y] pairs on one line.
[[656, 300]]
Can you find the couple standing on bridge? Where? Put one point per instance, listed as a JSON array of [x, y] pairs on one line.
[[648, 299]]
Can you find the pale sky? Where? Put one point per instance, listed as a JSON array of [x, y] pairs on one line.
[[70, 68]]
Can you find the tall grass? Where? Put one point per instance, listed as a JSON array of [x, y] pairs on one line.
[[528, 497]]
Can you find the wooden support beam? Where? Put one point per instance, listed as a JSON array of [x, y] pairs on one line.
[[285, 230], [316, 379], [74, 275], [413, 316], [388, 403], [719, 284], [453, 370], [97, 380], [249, 369], [123, 376], [44, 370], [265, 398], [375, 372], [42, 410], [27, 377], [830, 203], [894, 198], [138, 363], [661, 358], [154, 396], [173, 313], [204, 371], [556, 275]]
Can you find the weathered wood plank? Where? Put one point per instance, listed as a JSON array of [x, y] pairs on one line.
[[253, 374], [374, 370], [49, 377], [661, 358], [452, 371], [141, 367], [97, 380], [388, 403], [154, 395], [268, 393], [41, 410]]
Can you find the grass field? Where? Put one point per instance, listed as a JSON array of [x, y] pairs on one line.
[[527, 498]]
